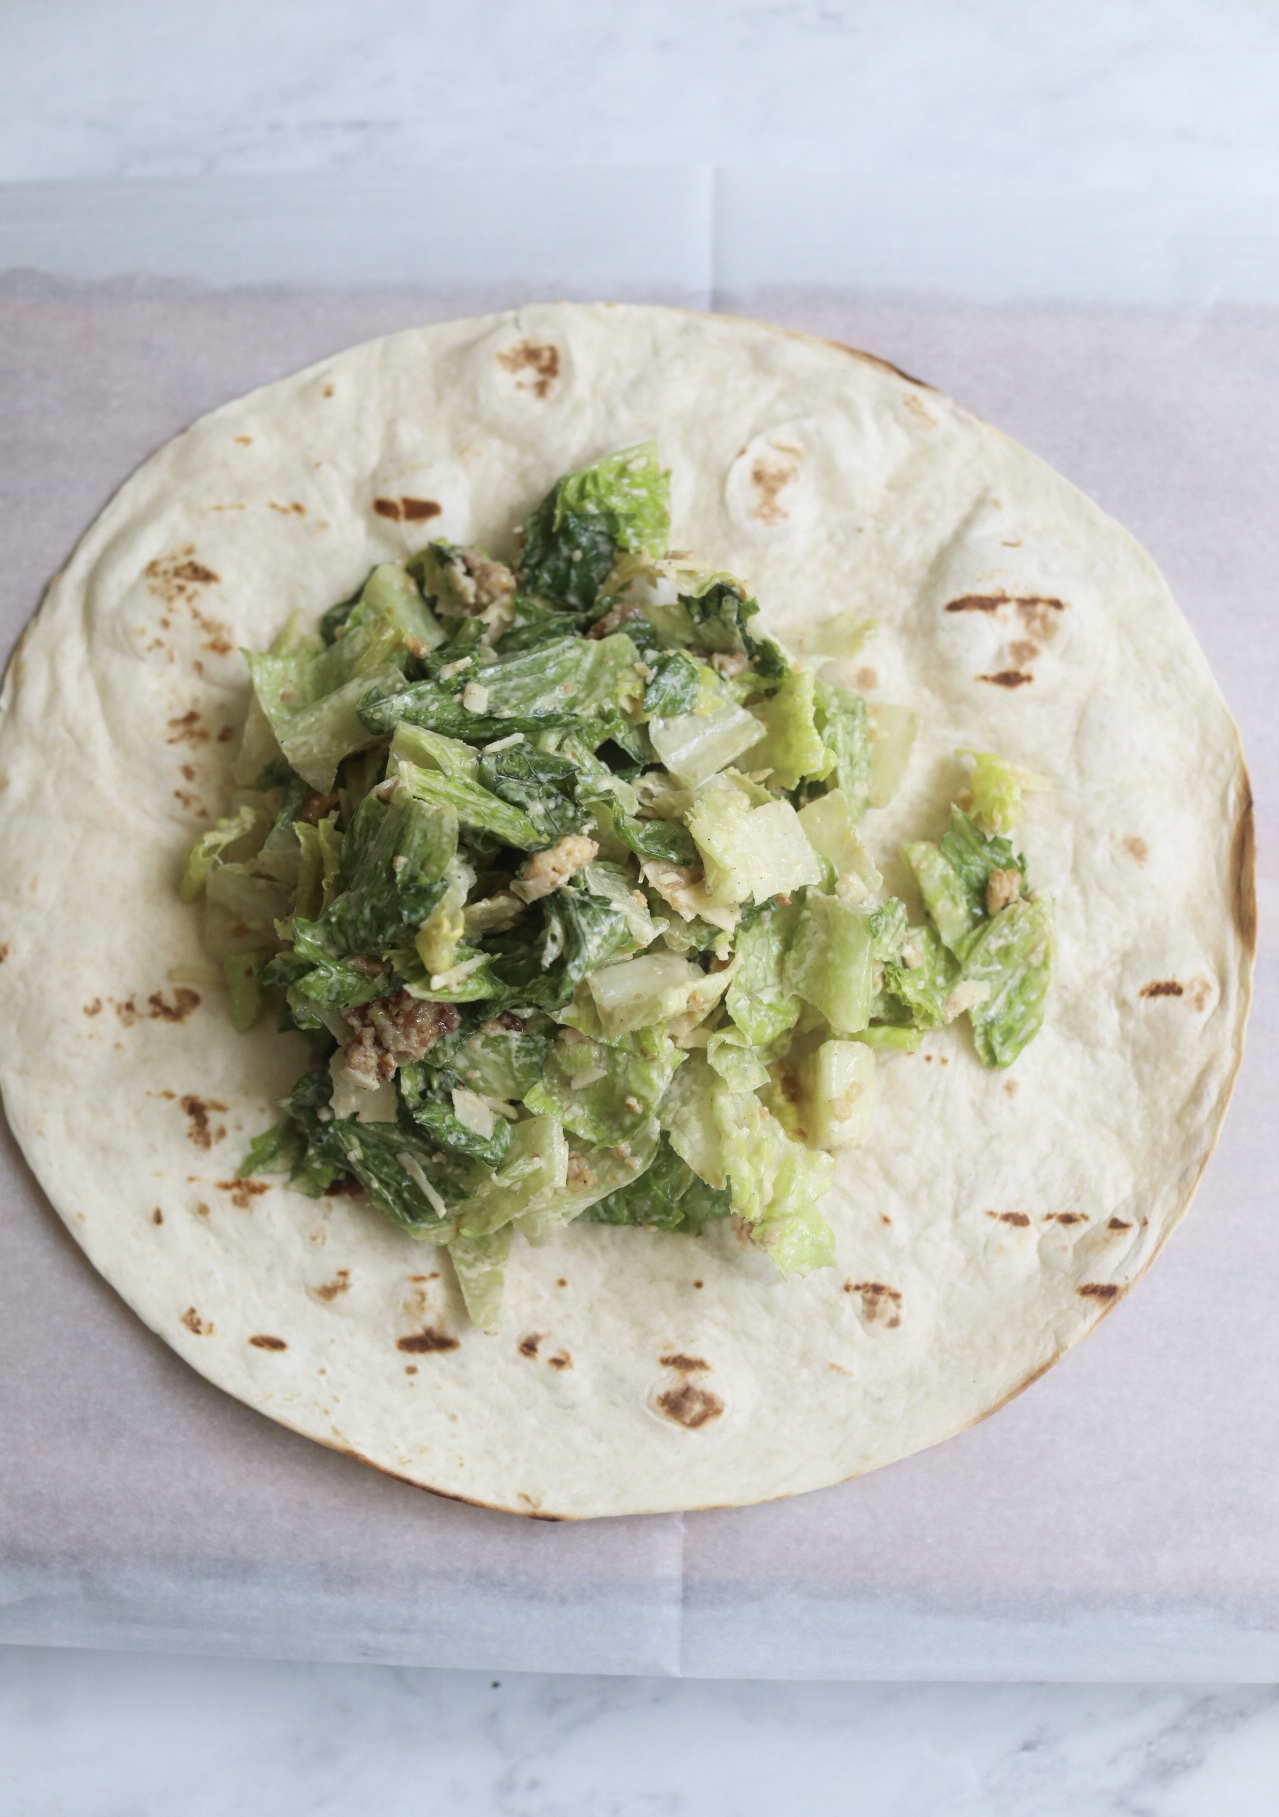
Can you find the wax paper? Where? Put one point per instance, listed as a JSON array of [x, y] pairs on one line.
[[1119, 1520]]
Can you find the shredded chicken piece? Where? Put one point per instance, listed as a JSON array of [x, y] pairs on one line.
[[493, 581], [616, 616], [1004, 887], [391, 1030], [546, 871]]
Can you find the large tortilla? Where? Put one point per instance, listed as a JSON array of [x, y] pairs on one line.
[[993, 1219]]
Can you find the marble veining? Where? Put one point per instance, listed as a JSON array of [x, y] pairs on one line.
[[1097, 94], [113, 1733]]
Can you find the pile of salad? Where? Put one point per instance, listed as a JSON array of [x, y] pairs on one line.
[[557, 869]]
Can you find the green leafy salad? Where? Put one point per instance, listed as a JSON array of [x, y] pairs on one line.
[[558, 870]]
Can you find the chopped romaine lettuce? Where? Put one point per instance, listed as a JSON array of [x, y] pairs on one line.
[[840, 1093], [921, 977], [209, 847], [1012, 955], [605, 1090], [751, 852], [830, 962], [541, 783], [792, 748], [995, 787], [830, 827], [646, 991], [844, 729], [667, 1196], [674, 685], [619, 504], [536, 1166], [480, 1266], [775, 1183], [695, 746], [760, 999]]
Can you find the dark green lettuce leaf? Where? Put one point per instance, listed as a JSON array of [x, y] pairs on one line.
[[617, 505], [667, 1196]]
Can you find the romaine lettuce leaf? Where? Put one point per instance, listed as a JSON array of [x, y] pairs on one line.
[[209, 847], [474, 806], [605, 1090], [1013, 955], [792, 747], [775, 1183], [667, 1196], [500, 1062], [311, 701], [394, 861], [830, 961], [621, 503], [892, 732], [842, 719], [922, 988], [480, 1266], [535, 1167], [243, 974], [432, 1108], [651, 989], [540, 783], [751, 852], [695, 746], [674, 684], [760, 999], [840, 1094]]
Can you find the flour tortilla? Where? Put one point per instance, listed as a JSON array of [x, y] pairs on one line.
[[994, 1218]]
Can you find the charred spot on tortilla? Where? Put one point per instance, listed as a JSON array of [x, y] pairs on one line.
[[427, 1341], [187, 728], [686, 1365], [1097, 1290], [243, 1192], [690, 1406], [419, 510], [529, 1345], [1163, 987], [1065, 1217], [561, 1360], [184, 1002], [157, 1216], [200, 1129], [178, 578], [992, 602], [1136, 848], [198, 1327], [880, 1305], [1118, 1224], [1007, 678], [1020, 1218], [263, 1340], [330, 1290], [201, 1209], [541, 360]]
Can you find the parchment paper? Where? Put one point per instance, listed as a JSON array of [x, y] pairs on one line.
[[1120, 1520]]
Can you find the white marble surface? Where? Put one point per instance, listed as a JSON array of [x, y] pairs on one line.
[[109, 1735], [1091, 93], [1082, 98]]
